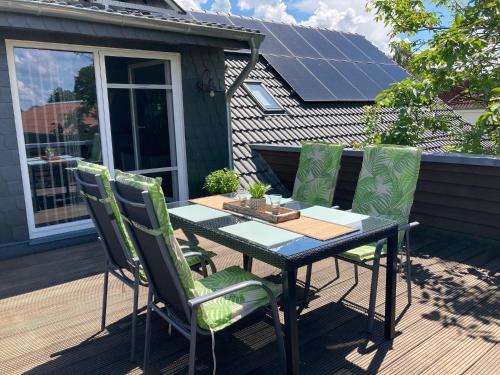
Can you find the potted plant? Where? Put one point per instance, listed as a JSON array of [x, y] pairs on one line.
[[257, 192], [222, 181], [50, 153]]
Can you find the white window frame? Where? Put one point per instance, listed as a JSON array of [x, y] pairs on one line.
[[104, 121], [279, 110]]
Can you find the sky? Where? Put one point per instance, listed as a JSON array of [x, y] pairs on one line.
[[343, 15]]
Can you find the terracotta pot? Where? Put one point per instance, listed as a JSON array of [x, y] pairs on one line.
[[257, 203]]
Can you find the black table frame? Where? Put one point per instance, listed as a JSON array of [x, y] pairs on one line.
[[289, 266]]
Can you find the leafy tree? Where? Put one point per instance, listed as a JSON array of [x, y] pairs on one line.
[[59, 95], [440, 56], [85, 90]]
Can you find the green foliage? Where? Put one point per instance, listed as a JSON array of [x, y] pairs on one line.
[[59, 95], [417, 108], [258, 190], [222, 181], [441, 56]]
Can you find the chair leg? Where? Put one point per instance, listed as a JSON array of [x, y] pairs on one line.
[[373, 293], [147, 340], [105, 298], [356, 275], [134, 318], [337, 268], [192, 343], [279, 336], [408, 273]]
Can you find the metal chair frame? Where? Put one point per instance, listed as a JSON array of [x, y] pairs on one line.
[[110, 266], [375, 268], [184, 321]]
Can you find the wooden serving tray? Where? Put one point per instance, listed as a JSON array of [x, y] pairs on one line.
[[284, 214]]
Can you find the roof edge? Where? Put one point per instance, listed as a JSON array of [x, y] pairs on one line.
[[91, 15]]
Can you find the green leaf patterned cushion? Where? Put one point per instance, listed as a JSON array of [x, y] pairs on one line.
[[224, 311], [317, 173], [153, 187], [387, 182], [386, 187], [103, 172], [363, 253]]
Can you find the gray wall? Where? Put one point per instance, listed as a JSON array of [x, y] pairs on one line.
[[204, 119]]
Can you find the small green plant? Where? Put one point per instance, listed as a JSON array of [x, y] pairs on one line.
[[258, 190], [222, 181]]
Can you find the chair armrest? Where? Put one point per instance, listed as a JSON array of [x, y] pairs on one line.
[[407, 227], [204, 257], [195, 302]]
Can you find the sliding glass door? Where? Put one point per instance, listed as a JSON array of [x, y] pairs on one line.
[[116, 107], [139, 93]]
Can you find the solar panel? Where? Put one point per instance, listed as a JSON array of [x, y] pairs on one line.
[[319, 64], [211, 17], [297, 45], [359, 79], [320, 43], [376, 73], [271, 44], [368, 49], [395, 71], [300, 79], [342, 44], [331, 78]]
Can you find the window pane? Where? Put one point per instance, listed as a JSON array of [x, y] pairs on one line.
[[263, 97], [57, 94], [126, 70], [140, 129]]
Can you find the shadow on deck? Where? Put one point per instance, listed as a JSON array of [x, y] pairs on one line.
[[50, 308]]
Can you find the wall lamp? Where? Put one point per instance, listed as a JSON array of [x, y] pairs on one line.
[[208, 85]]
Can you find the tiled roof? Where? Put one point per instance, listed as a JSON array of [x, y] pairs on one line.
[[457, 99], [161, 14], [339, 122]]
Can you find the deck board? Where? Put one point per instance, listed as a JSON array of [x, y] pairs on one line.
[[50, 306]]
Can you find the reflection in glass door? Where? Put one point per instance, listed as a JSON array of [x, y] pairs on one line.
[[141, 118], [58, 125]]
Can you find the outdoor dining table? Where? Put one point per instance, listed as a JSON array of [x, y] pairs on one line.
[[300, 252]]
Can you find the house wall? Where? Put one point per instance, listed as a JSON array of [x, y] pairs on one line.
[[204, 119], [455, 192], [470, 115]]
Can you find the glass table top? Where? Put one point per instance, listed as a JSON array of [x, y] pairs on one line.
[[268, 238]]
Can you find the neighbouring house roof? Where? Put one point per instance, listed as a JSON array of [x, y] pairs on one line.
[[336, 122], [458, 99], [55, 115]]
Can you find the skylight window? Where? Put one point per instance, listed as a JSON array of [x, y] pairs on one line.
[[263, 97]]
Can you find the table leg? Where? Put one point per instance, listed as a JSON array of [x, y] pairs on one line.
[[247, 263], [289, 301], [390, 287]]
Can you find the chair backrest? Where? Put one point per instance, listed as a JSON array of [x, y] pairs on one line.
[[94, 184], [387, 182], [142, 205], [317, 173]]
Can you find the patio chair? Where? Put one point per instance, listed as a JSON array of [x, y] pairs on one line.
[[317, 173], [94, 185], [192, 307], [315, 182], [386, 187]]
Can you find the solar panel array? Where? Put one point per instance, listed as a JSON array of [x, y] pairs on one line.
[[320, 65]]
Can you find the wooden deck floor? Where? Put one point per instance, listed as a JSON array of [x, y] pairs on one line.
[[50, 314]]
